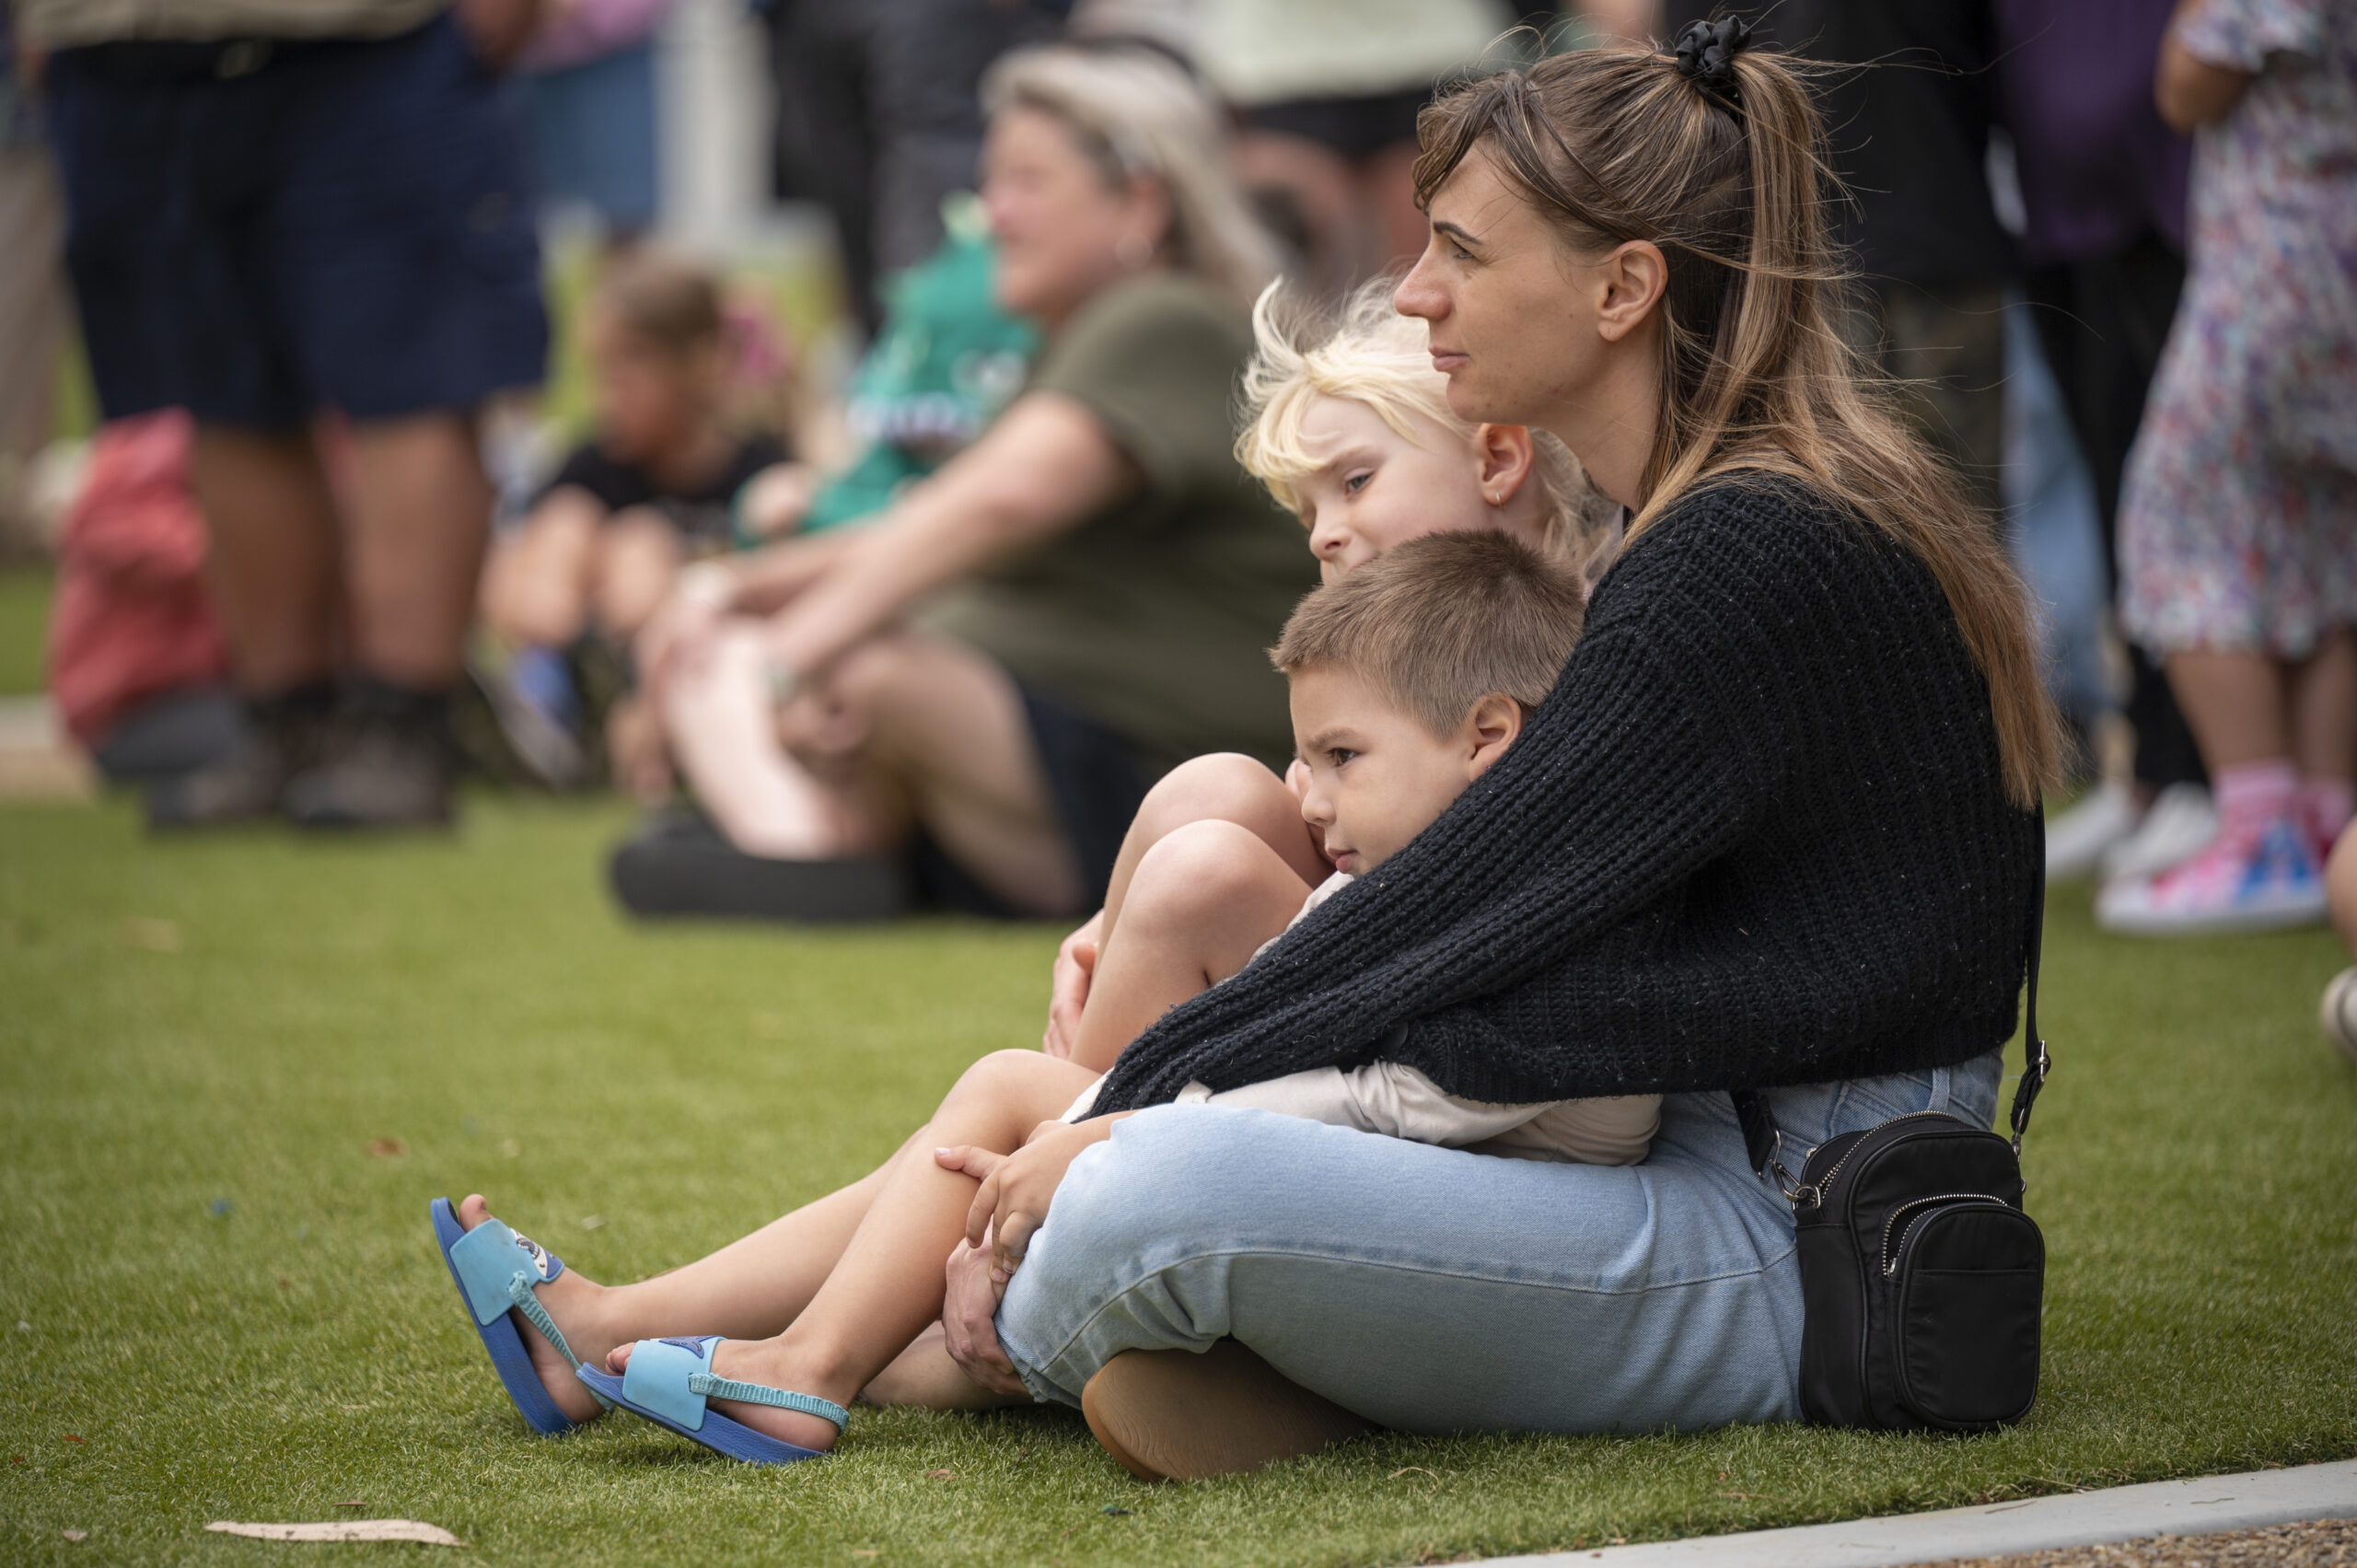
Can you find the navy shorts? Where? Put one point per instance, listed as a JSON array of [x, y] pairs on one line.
[[257, 235]]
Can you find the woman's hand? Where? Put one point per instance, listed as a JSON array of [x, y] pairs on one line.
[[1017, 1188], [1068, 988], [969, 1306]]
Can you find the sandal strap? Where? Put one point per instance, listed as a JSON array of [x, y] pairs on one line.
[[519, 1291], [713, 1387]]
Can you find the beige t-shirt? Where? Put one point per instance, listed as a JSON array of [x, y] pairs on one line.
[[1398, 1102], [65, 24]]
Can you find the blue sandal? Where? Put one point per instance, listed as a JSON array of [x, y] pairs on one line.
[[497, 1273], [668, 1381]]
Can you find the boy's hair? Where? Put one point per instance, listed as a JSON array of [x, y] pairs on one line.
[[1442, 621], [665, 299], [1370, 353]]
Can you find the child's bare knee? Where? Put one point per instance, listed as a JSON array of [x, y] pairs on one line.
[[528, 606], [1202, 868], [1227, 785]]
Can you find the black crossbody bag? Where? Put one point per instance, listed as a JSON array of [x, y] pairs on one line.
[[1922, 1277]]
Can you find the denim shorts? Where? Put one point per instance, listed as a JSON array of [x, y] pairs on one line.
[[1434, 1290], [325, 225]]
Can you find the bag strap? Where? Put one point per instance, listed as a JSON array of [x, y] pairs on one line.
[[1762, 1139]]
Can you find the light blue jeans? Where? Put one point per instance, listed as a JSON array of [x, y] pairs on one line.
[[1432, 1290]]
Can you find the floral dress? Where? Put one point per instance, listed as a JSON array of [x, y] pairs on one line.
[[2238, 519]]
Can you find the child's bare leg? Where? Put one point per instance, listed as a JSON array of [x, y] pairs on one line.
[[1227, 787], [536, 582], [1201, 902], [637, 562], [888, 1284]]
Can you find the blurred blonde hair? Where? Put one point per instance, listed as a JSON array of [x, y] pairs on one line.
[[1370, 353], [1138, 113]]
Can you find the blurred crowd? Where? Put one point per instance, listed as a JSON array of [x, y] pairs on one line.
[[926, 636]]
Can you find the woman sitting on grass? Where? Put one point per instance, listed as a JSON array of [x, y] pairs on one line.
[[1776, 828]]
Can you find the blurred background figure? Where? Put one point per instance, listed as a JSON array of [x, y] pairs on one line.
[[1326, 93], [878, 117], [2103, 189], [32, 290], [660, 482], [1089, 588], [282, 208], [589, 70], [1910, 130], [2238, 520], [136, 663]]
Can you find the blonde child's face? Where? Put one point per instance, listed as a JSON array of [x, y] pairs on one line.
[[1374, 488], [1373, 775]]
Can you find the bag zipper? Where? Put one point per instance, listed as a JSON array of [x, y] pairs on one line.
[[1823, 1186], [1889, 1262]]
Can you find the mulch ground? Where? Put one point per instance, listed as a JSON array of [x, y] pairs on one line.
[[2324, 1543]]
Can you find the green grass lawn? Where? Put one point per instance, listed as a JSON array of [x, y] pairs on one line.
[[218, 1299], [24, 628]]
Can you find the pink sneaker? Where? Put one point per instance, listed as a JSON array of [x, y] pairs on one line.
[[2243, 881]]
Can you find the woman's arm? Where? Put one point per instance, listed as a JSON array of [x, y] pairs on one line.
[[1045, 467], [2191, 92]]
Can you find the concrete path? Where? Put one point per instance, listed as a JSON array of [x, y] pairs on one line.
[[2124, 1513], [38, 759]]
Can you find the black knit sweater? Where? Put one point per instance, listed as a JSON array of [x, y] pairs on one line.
[[1757, 835]]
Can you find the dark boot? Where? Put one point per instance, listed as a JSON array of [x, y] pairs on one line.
[[283, 736], [389, 762]]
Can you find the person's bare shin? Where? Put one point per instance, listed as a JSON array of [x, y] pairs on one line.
[[420, 515], [276, 564]]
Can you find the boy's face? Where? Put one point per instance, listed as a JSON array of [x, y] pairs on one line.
[[1374, 488], [1376, 776]]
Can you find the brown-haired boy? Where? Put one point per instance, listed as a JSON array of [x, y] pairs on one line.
[[1411, 678]]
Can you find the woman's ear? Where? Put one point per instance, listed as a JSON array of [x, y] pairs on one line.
[[1507, 458], [1494, 724], [1632, 280], [1145, 233]]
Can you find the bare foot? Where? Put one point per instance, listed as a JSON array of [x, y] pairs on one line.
[[573, 1302], [765, 1361]]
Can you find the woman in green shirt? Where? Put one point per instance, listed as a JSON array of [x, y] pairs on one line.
[[983, 683]]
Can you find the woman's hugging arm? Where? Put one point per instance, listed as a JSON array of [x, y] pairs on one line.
[[1662, 742]]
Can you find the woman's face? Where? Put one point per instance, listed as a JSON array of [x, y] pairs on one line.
[[1511, 324], [1375, 489], [1062, 230]]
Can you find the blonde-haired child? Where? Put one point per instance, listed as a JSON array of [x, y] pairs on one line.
[[1349, 427]]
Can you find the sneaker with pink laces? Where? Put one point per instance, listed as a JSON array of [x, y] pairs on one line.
[[2244, 882]]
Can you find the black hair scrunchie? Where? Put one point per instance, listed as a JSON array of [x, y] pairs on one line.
[[1706, 53]]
